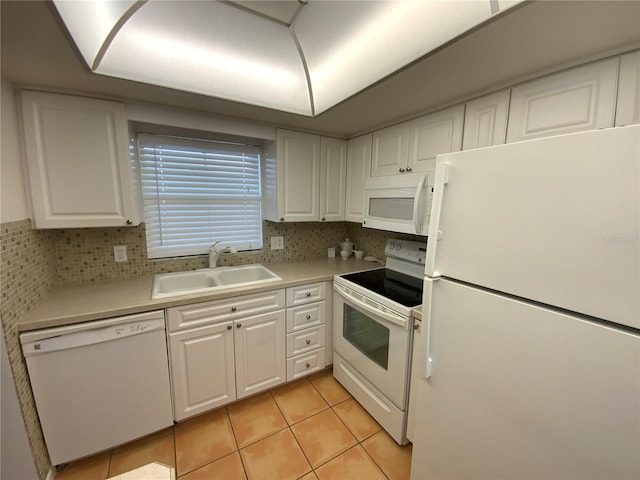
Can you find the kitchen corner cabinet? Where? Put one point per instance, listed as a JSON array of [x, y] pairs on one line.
[[628, 105], [582, 98], [305, 180], [79, 168], [333, 181], [225, 350], [308, 330], [485, 120]]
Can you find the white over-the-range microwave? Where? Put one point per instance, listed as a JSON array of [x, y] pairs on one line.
[[399, 203]]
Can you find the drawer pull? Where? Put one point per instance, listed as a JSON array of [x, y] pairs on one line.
[[229, 327], [308, 341], [308, 294], [308, 317], [238, 325], [233, 309], [308, 364]]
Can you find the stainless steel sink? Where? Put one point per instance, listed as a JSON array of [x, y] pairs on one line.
[[210, 279]]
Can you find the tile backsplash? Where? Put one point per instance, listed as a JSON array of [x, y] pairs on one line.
[[86, 254]]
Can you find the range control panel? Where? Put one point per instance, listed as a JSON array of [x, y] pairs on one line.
[[406, 250]]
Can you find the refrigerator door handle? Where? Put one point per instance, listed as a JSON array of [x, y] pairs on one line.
[[426, 366], [442, 178], [417, 205]]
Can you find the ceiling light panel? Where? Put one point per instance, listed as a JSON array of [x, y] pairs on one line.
[[348, 46], [90, 23], [213, 49]]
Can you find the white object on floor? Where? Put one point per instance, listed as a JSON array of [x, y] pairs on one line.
[[151, 471]]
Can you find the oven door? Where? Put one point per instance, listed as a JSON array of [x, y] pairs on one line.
[[373, 345]]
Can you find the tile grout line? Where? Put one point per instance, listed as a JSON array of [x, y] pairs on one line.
[[235, 439]]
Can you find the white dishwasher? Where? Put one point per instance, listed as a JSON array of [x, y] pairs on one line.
[[99, 384]]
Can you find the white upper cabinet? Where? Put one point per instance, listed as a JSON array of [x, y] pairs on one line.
[[390, 150], [583, 98], [485, 120], [305, 181], [628, 107], [433, 134], [298, 177], [333, 172], [79, 168], [358, 168]]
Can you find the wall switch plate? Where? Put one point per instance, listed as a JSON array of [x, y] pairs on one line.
[[120, 253], [277, 243]]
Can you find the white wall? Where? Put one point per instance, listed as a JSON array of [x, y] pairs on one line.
[[13, 199]]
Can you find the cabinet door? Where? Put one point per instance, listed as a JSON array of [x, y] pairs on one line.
[[333, 170], [485, 120], [390, 150], [298, 176], [439, 132], [261, 361], [358, 170], [78, 161], [628, 109], [202, 369], [583, 98]]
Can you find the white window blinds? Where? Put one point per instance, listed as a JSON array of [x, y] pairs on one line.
[[197, 192]]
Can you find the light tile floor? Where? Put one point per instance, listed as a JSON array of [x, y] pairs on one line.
[[311, 429]]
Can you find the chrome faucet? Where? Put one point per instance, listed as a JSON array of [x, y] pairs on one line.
[[215, 253]]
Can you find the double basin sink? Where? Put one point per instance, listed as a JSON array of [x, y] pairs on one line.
[[210, 279]]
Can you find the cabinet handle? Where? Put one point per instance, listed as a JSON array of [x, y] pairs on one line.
[[408, 169], [308, 294], [129, 222], [229, 327], [308, 317], [308, 364], [233, 309], [282, 219], [401, 170], [238, 325], [323, 219], [308, 341], [416, 326]]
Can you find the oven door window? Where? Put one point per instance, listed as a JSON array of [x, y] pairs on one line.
[[368, 336]]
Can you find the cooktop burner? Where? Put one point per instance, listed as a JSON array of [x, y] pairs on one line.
[[401, 288]]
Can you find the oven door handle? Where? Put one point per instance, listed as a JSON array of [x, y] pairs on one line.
[[387, 316]]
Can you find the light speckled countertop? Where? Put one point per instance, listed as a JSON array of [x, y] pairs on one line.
[[94, 301]]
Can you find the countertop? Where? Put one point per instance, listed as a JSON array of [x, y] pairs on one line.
[[66, 305]]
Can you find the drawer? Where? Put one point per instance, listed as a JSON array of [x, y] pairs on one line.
[[302, 294], [305, 364], [305, 340], [305, 316], [226, 309]]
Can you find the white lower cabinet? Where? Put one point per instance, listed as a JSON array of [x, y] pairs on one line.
[[260, 357], [307, 329], [202, 369], [231, 349]]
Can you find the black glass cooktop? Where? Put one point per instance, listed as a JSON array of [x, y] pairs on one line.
[[401, 288]]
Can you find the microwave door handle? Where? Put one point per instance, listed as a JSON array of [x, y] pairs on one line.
[[417, 205]]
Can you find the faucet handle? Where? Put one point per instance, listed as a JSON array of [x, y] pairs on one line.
[[213, 247]]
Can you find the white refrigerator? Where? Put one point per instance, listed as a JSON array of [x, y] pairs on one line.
[[530, 365]]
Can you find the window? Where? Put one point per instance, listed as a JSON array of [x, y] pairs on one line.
[[197, 192]]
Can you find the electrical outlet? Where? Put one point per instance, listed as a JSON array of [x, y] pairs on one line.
[[277, 243], [120, 253]]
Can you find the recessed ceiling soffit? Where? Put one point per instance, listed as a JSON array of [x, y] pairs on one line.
[[301, 57]]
